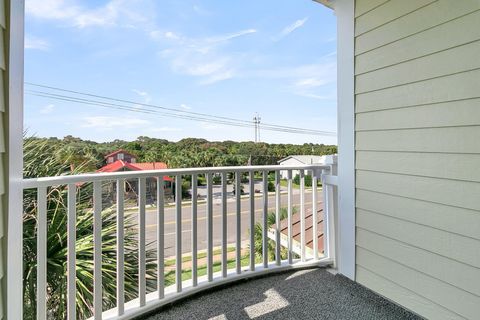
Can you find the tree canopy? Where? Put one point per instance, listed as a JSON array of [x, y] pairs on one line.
[[188, 152]]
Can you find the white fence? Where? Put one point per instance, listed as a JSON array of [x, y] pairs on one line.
[[163, 294]]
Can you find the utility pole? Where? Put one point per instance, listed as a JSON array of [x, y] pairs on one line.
[[256, 121]]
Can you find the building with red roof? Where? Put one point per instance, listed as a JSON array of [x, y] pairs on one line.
[[122, 160], [120, 155]]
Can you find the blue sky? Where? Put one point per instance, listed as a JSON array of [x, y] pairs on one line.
[[228, 58]]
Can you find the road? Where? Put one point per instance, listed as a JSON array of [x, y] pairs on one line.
[[151, 221]]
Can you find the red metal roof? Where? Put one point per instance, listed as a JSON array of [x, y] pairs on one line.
[[120, 165], [150, 165], [117, 166]]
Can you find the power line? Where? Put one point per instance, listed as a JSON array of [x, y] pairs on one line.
[[153, 109], [170, 109], [141, 110]]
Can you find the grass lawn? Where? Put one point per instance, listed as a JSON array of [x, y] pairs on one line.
[[202, 269], [284, 183], [200, 255]]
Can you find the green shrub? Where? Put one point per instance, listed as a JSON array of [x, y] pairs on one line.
[[271, 186], [308, 180], [201, 181], [217, 179], [242, 191]]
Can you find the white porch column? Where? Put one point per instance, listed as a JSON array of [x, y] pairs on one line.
[[344, 10]]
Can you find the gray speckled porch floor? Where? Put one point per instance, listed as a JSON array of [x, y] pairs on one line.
[[305, 294]]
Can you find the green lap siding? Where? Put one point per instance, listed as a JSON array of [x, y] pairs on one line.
[[417, 143]]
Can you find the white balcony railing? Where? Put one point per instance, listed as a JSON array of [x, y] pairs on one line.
[[147, 301]]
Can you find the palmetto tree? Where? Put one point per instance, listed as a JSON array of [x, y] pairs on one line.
[[40, 159], [258, 236]]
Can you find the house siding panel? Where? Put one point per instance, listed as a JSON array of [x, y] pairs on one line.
[[405, 38], [467, 113], [364, 6], [454, 166], [417, 147], [420, 24], [408, 298], [439, 216]]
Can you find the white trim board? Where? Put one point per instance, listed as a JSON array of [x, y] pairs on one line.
[[15, 32], [344, 10]]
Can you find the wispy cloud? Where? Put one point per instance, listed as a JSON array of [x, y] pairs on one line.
[[145, 95], [311, 82], [204, 58], [47, 109], [316, 81], [123, 13], [108, 122], [231, 36], [290, 28], [185, 107], [32, 42]]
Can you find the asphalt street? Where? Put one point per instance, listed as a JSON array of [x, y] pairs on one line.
[[151, 221]]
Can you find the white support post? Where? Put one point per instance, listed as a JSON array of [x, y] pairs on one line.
[[251, 177], [142, 285], [194, 231], [161, 237], [14, 153], [238, 235], [289, 217], [178, 232], [303, 243], [278, 259], [332, 218], [224, 224], [344, 10], [97, 251], [326, 214], [315, 213], [71, 255], [120, 247], [209, 228], [42, 253], [264, 220]]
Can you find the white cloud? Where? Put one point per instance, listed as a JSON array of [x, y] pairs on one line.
[[330, 96], [200, 57], [107, 122], [311, 82], [32, 42], [316, 81], [185, 107], [47, 109], [147, 98], [290, 28], [123, 13], [231, 36]]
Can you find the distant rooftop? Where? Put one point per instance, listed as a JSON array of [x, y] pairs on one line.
[[305, 159]]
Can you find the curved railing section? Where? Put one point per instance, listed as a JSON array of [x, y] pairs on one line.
[[218, 222]]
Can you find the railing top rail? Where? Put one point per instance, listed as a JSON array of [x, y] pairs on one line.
[[106, 176]]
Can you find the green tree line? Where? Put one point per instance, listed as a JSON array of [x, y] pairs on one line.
[[188, 152]]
